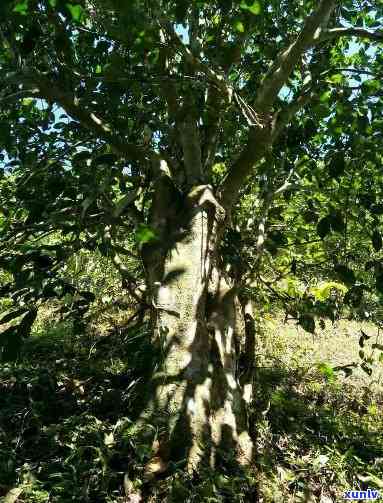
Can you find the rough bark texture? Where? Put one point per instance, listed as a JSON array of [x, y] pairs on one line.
[[196, 401]]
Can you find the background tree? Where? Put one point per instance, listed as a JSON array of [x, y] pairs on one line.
[[207, 144]]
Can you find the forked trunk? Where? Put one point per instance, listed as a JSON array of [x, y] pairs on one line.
[[197, 402]]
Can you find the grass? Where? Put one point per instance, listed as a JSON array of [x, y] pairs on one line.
[[336, 345], [319, 432], [67, 433]]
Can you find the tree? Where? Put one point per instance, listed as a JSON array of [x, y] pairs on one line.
[[194, 127]]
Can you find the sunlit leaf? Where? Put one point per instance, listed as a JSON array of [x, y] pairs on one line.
[[326, 370], [145, 234], [255, 7], [239, 26], [21, 7], [76, 11]]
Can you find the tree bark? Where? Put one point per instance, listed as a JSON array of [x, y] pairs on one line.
[[196, 401]]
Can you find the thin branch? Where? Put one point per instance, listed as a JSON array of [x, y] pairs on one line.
[[130, 281], [213, 76], [26, 93], [267, 203], [283, 117], [261, 231], [182, 111], [257, 144], [341, 31], [285, 185], [352, 70], [88, 119]]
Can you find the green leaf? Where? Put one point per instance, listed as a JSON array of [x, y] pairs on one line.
[[376, 239], [255, 8], [325, 96], [53, 3], [27, 102], [346, 275], [307, 322], [76, 11], [338, 78], [145, 234], [326, 370], [323, 227], [377, 209], [337, 165], [379, 282], [238, 26], [21, 7], [371, 86]]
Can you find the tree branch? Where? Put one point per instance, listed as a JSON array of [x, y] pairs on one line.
[[342, 31], [352, 70], [283, 117], [191, 145], [25, 93], [280, 72], [213, 76], [257, 144], [213, 103], [51, 92], [260, 135]]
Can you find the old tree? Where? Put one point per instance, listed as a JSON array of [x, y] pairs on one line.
[[214, 143]]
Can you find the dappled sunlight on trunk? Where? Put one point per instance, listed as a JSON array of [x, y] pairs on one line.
[[196, 400]]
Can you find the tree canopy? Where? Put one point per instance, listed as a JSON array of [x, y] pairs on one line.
[[96, 96]]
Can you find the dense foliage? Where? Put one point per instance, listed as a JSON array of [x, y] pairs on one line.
[[84, 114]]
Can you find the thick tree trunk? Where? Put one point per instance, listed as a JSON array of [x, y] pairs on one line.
[[196, 402]]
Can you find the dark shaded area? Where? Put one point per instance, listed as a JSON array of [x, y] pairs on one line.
[[57, 403]]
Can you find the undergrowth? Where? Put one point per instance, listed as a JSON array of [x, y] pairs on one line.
[[67, 427]]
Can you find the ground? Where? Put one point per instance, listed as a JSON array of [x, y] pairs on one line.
[[67, 434]]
